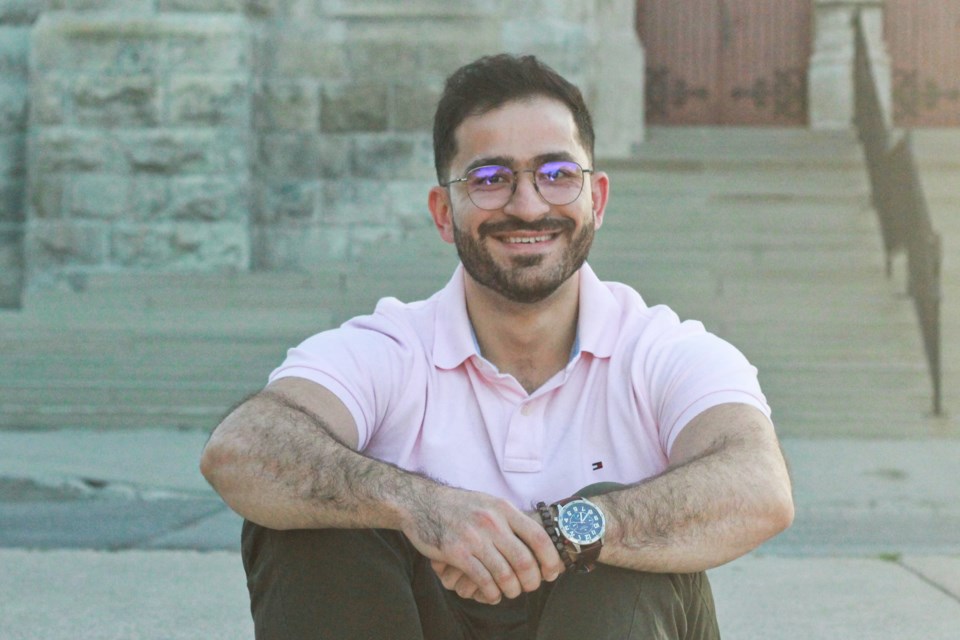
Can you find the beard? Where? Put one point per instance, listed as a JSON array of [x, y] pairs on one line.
[[524, 280]]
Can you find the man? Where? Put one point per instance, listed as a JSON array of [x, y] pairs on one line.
[[420, 472]]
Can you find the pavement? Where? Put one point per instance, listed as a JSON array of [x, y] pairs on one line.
[[115, 535]]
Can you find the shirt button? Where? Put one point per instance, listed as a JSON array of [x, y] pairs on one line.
[[525, 410]]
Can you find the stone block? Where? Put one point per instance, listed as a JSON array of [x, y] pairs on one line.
[[407, 202], [98, 196], [354, 107], [51, 246], [12, 209], [11, 266], [211, 6], [290, 52], [12, 155], [21, 12], [288, 105], [336, 153], [412, 106], [207, 44], [185, 151], [208, 199], [149, 196], [124, 6], [122, 43], [14, 50], [382, 59], [211, 246], [299, 249], [56, 150], [371, 239], [78, 42], [289, 202], [207, 100], [289, 155], [46, 196], [48, 99], [354, 202], [107, 101], [392, 157]]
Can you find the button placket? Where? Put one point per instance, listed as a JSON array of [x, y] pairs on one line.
[[523, 450]]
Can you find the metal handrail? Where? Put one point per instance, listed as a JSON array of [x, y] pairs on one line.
[[897, 197]]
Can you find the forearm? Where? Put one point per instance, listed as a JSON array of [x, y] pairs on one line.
[[700, 514], [278, 465]]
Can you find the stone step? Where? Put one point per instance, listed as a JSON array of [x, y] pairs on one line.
[[767, 236]]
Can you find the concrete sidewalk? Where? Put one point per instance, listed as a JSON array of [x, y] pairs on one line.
[[115, 534]]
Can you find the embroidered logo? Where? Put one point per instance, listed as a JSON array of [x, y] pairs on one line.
[[598, 465]]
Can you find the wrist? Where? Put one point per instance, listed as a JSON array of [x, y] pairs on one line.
[[577, 528]]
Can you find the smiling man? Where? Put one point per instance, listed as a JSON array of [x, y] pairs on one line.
[[529, 453]]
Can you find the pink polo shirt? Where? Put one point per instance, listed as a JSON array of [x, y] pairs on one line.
[[424, 399]]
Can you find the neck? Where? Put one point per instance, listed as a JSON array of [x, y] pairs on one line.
[[531, 342]]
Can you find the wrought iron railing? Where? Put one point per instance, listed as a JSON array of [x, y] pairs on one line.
[[897, 197]]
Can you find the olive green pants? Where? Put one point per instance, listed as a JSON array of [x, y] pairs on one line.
[[335, 584]]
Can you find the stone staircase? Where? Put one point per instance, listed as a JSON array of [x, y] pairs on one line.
[[765, 235]]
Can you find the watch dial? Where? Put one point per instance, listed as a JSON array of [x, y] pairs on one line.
[[581, 522]]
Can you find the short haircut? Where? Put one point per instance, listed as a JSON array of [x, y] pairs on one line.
[[492, 81]]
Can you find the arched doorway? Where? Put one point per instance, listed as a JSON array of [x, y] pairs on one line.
[[923, 38], [726, 62]]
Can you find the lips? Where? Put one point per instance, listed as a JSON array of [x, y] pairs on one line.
[[514, 231], [527, 240]]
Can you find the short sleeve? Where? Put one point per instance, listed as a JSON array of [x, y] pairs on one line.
[[681, 370], [364, 363]]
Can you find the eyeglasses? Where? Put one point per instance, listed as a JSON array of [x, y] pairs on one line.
[[491, 187]]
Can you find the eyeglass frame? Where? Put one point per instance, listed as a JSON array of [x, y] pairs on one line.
[[516, 181]]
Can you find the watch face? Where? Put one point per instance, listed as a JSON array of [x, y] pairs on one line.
[[581, 522]]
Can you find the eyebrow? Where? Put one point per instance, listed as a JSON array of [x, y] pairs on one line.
[[509, 162]]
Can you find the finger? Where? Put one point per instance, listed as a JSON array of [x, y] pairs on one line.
[[530, 531], [502, 570], [477, 572], [523, 564], [450, 577]]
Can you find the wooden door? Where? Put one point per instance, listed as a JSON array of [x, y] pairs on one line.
[[726, 62], [923, 37]]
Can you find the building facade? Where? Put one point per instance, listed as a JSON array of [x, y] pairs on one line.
[[172, 135]]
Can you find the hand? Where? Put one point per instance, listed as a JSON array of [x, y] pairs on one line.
[[480, 546]]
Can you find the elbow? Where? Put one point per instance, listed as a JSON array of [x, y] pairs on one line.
[[779, 513], [783, 513], [216, 460]]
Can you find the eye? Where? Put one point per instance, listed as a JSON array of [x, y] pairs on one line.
[[489, 177], [558, 171]]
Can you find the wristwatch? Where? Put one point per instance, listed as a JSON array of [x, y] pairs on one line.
[[576, 527]]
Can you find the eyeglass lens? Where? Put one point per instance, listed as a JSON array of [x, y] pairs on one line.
[[491, 187]]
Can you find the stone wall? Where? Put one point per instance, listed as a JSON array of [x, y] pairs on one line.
[[139, 149], [253, 134], [16, 20]]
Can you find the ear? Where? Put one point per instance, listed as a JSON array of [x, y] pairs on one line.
[[600, 192], [442, 213]]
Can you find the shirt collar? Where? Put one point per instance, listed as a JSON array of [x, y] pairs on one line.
[[454, 341]]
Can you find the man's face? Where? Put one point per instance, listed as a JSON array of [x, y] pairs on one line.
[[528, 248]]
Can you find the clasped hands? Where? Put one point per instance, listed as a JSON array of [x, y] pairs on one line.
[[483, 547]]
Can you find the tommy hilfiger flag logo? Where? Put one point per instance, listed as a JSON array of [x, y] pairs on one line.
[[598, 465]]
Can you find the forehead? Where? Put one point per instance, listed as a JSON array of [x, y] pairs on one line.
[[519, 130]]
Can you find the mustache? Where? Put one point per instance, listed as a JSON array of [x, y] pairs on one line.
[[549, 225]]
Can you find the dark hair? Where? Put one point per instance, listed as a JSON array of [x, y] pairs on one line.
[[491, 82]]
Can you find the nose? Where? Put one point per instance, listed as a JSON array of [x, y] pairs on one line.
[[526, 201]]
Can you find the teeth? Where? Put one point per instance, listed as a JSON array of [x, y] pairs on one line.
[[527, 240]]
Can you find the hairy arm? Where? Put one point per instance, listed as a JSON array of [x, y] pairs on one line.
[[286, 459], [727, 490]]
